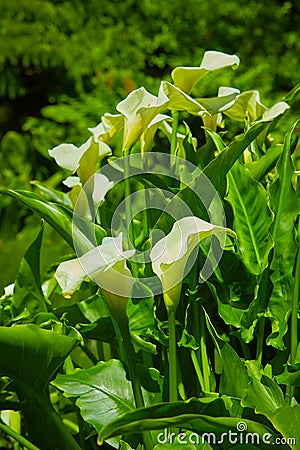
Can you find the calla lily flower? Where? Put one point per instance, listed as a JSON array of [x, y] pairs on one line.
[[139, 108], [185, 78], [275, 110], [248, 104], [101, 185], [109, 126], [216, 105], [106, 266], [180, 101], [149, 133], [169, 256], [68, 156]]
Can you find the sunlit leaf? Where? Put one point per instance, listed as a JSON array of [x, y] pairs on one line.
[[28, 291], [251, 217], [285, 204]]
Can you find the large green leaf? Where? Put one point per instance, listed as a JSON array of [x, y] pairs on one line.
[[31, 356], [217, 169], [189, 415], [266, 397], [74, 230], [251, 217], [234, 379], [103, 392], [285, 203], [27, 291], [258, 169]]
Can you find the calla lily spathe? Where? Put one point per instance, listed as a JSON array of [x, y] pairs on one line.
[[139, 108], [106, 266], [109, 126], [185, 78], [169, 256], [68, 156], [101, 185], [248, 105]]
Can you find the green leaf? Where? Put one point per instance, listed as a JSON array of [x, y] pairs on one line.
[[251, 217], [259, 169], [217, 169], [73, 229], [290, 375], [52, 195], [28, 291], [263, 393], [189, 415], [31, 356], [285, 204], [266, 397], [103, 392], [234, 379]]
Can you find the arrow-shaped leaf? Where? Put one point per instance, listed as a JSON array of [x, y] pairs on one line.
[[285, 204], [251, 217]]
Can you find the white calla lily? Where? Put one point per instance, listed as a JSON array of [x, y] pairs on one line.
[[139, 108], [71, 182], [109, 126], [170, 255], [247, 104], [101, 186], [186, 78], [149, 133], [180, 101], [68, 156], [275, 110], [217, 105], [106, 266]]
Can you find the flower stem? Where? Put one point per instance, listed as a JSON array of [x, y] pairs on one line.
[[294, 319], [204, 357], [260, 339], [13, 434], [127, 197], [134, 375], [128, 213], [295, 305], [172, 357], [175, 122]]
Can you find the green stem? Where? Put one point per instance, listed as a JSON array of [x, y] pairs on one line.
[[134, 375], [89, 354], [127, 197], [260, 339], [128, 214], [295, 305], [175, 122], [204, 357], [172, 357], [197, 369], [294, 320], [13, 434]]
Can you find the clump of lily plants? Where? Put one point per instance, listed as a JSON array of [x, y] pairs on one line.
[[173, 320]]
